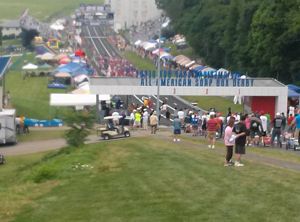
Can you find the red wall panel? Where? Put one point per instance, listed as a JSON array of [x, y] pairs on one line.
[[263, 103]]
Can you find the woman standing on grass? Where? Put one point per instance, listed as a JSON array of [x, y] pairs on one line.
[[229, 142]]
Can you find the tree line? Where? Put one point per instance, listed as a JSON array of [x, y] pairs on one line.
[[254, 37]]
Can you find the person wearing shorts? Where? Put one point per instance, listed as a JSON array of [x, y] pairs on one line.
[[176, 129], [212, 127], [240, 131]]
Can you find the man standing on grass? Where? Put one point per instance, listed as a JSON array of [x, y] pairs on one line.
[[212, 127], [240, 140], [176, 128]]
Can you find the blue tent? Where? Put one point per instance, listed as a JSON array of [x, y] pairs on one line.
[[292, 93], [199, 68], [72, 68], [4, 62], [294, 88]]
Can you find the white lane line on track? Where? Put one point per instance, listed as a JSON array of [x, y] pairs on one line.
[[102, 43], [162, 102], [93, 40]]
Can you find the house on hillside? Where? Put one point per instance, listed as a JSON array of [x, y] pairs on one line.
[[10, 28]]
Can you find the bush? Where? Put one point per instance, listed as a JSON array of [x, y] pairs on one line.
[[44, 173], [80, 123]]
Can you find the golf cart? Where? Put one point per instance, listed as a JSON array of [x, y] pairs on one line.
[[111, 130]]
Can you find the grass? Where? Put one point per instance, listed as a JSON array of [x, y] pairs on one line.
[[144, 179], [189, 52], [41, 9], [39, 135], [221, 104], [139, 62], [30, 96]]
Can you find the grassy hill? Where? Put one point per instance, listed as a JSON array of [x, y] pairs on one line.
[[146, 179], [42, 9]]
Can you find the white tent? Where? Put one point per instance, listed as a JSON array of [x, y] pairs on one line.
[[190, 64], [149, 46], [222, 71], [138, 42], [81, 78], [82, 89], [48, 56], [76, 99], [57, 26], [164, 54], [29, 66]]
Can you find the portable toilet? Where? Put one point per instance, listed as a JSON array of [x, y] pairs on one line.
[[8, 126]]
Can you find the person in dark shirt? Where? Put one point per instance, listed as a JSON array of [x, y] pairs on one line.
[[277, 126], [240, 131]]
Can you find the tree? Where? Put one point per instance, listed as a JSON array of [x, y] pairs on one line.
[[80, 123], [261, 38], [27, 37]]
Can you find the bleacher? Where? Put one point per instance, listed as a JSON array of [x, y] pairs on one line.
[[4, 62]]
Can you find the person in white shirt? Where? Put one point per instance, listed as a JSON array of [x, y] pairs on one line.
[[292, 110], [116, 117], [264, 126], [132, 118], [181, 116], [145, 119]]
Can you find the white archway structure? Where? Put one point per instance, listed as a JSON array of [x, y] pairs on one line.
[[251, 87]]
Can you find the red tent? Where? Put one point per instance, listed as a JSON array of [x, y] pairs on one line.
[[80, 53]]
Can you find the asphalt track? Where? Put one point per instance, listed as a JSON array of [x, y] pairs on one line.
[[96, 36]]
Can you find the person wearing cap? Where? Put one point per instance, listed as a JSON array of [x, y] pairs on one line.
[[277, 126], [212, 127]]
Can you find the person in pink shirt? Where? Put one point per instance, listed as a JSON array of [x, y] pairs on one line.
[[229, 141]]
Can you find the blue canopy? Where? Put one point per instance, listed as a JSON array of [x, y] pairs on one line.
[[292, 93], [4, 62], [199, 68], [72, 68], [294, 88]]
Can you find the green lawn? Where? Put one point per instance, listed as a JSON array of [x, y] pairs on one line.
[[220, 103], [39, 135], [189, 52], [30, 96], [41, 9], [144, 180], [139, 62]]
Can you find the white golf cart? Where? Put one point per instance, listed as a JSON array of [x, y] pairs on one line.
[[111, 130]]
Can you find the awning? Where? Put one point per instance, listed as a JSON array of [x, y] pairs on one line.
[[62, 75], [292, 93], [57, 99], [190, 64], [30, 66]]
